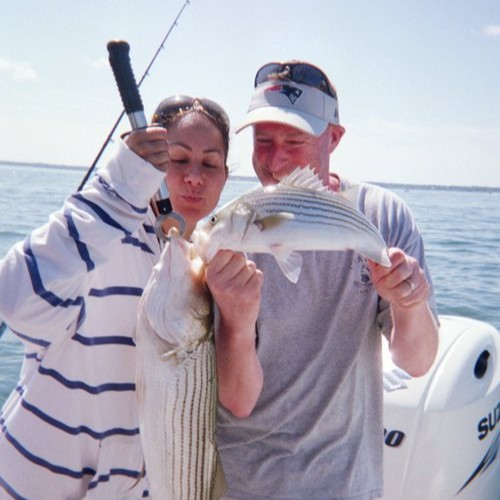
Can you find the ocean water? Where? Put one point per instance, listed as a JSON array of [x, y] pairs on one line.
[[461, 231]]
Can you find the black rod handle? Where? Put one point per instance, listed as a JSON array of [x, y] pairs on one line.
[[119, 59]]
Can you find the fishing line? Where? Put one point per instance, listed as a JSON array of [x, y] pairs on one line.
[[146, 73]]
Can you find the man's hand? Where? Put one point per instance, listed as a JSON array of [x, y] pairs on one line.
[[404, 283]]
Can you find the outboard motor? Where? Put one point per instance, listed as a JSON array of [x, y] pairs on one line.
[[442, 430]]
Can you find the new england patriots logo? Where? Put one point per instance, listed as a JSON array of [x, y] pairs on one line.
[[293, 93]]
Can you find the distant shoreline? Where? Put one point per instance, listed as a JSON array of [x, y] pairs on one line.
[[388, 185], [41, 165]]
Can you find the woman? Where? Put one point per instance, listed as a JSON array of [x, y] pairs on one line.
[[70, 291]]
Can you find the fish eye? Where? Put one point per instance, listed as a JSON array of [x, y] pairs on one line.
[[213, 220]]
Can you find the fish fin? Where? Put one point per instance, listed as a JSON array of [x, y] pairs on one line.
[[289, 262], [304, 177], [378, 255], [273, 220], [219, 485], [384, 258]]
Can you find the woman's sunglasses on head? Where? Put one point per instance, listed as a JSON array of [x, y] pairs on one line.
[[174, 104]]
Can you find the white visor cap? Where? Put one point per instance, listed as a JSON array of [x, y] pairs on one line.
[[301, 106]]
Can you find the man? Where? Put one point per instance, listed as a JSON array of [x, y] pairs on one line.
[[309, 381]]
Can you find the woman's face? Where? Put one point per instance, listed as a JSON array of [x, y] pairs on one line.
[[197, 171]]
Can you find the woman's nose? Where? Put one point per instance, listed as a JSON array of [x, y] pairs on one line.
[[194, 174]]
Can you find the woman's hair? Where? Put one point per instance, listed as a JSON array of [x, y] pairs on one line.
[[173, 108]]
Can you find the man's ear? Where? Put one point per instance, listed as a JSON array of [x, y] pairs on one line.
[[336, 133]]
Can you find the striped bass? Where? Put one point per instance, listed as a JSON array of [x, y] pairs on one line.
[[176, 379], [297, 214]]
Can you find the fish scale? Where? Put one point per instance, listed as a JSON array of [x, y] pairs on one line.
[[297, 214], [315, 208], [176, 380], [193, 462]]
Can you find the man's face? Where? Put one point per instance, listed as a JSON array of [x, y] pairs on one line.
[[278, 149]]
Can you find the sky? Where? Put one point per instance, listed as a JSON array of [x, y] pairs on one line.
[[418, 81]]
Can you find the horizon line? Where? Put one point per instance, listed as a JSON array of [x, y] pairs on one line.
[[400, 185]]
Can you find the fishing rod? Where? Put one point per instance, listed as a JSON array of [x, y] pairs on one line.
[[110, 135], [119, 59], [163, 203]]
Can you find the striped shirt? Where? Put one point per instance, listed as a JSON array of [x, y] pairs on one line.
[[69, 430]]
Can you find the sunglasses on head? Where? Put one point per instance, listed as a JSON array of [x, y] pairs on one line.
[[172, 105], [303, 73]]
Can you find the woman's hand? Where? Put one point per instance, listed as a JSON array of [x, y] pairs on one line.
[[151, 145], [236, 285]]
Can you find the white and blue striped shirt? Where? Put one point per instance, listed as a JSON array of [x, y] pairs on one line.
[[70, 292]]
